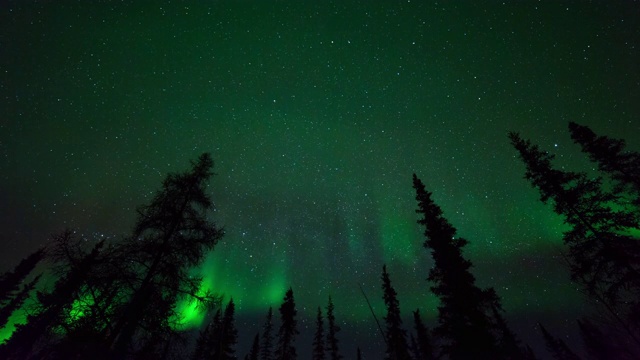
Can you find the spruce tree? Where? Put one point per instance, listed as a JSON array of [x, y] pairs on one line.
[[12, 296], [318, 338], [266, 349], [11, 280], [254, 353], [227, 335], [397, 348], [358, 354], [423, 339], [414, 351], [602, 256], [509, 344], [612, 158], [464, 322], [332, 331], [171, 236], [288, 329], [17, 301], [52, 310], [557, 347], [201, 347], [218, 339]]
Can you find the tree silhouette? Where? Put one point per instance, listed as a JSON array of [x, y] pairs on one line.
[[266, 350], [464, 313], [171, 236], [611, 157], [254, 353], [12, 296], [332, 331], [11, 280], [208, 338], [96, 298], [226, 336], [17, 301], [396, 336], [602, 256], [288, 329], [218, 339], [318, 338], [52, 310], [508, 343], [557, 347], [358, 354], [423, 339]]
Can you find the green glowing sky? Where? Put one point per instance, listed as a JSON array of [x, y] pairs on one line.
[[316, 113]]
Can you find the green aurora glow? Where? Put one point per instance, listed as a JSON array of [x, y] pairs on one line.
[[316, 114]]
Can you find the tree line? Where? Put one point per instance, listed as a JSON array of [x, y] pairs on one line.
[[118, 299]]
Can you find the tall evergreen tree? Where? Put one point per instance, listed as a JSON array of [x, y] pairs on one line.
[[611, 157], [52, 311], [602, 256], [288, 329], [318, 338], [358, 354], [208, 338], [509, 344], [332, 331], [423, 339], [218, 339], [266, 350], [254, 353], [12, 296], [11, 280], [171, 236], [17, 301], [225, 342], [397, 348], [557, 347], [414, 351], [464, 313]]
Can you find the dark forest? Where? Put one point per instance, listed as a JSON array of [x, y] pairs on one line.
[[117, 299]]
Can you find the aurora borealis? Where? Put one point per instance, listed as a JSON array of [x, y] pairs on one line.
[[316, 115]]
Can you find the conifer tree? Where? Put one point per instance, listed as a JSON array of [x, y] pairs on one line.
[[396, 336], [358, 354], [288, 329], [557, 347], [602, 256], [611, 157], [318, 338], [464, 313], [423, 339], [332, 331], [171, 236], [11, 280], [413, 348], [201, 347], [219, 338], [266, 350], [12, 297], [17, 301], [508, 343], [254, 353], [227, 335], [52, 311]]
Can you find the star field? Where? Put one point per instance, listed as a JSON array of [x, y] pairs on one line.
[[316, 114]]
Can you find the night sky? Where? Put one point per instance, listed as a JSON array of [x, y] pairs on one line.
[[316, 114]]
